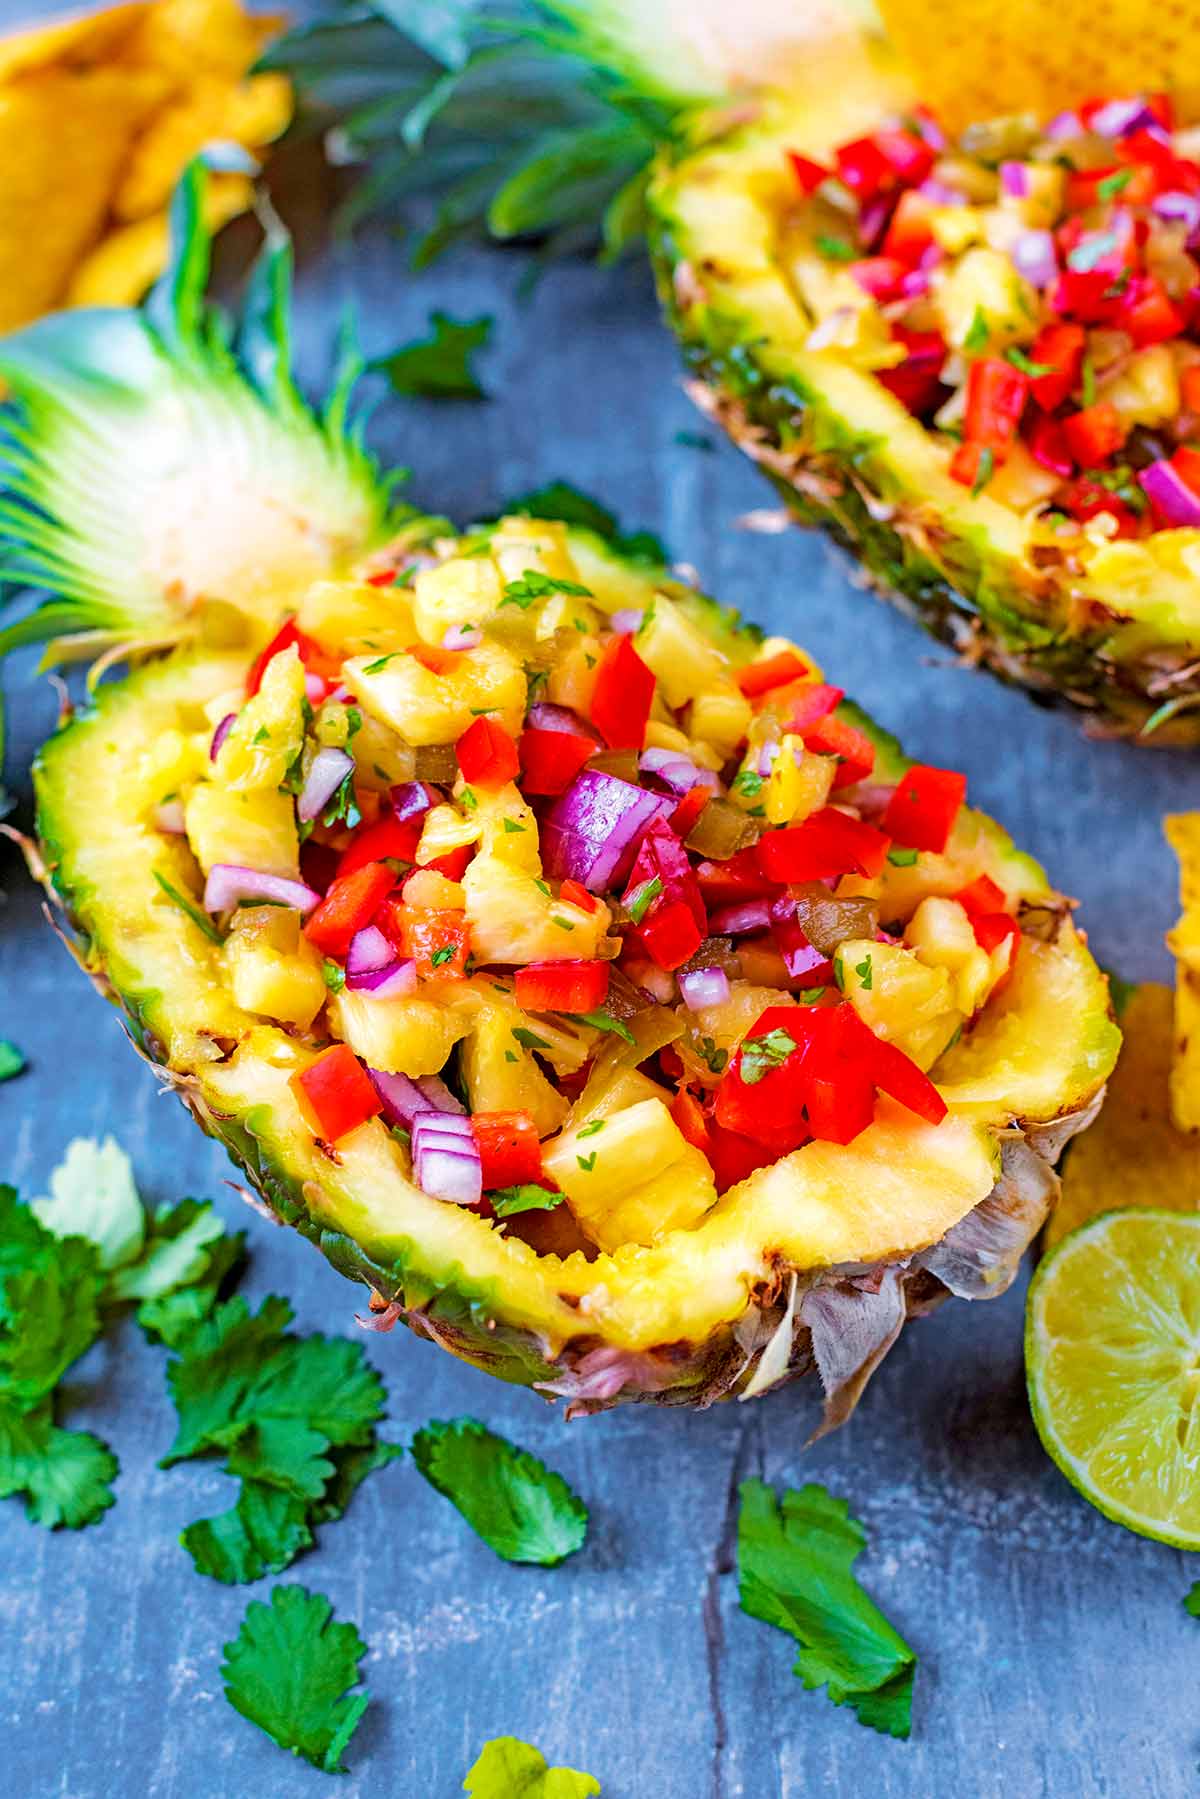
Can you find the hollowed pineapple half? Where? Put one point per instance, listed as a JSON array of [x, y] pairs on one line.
[[171, 492]]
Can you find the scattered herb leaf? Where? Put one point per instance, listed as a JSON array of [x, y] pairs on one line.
[[521, 1508], [290, 1669], [440, 366], [510, 1769]]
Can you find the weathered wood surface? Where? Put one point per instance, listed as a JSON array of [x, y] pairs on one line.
[[1055, 1656]]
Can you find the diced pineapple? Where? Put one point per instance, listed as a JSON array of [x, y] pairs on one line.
[[429, 891], [660, 736], [985, 285], [714, 1032], [463, 591], [611, 1090], [566, 612], [942, 935], [268, 733], [956, 228], [572, 680], [274, 927], [721, 717], [634, 1179], [1020, 481], [257, 830], [520, 544], [382, 759], [847, 318], [169, 763], [685, 661], [513, 920], [411, 1035], [562, 1041], [353, 618], [508, 828], [1146, 392], [274, 983], [1039, 207], [445, 829], [501, 1074], [902, 999], [220, 705], [799, 783], [426, 708]]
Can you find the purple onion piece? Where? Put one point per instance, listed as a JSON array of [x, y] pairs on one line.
[[1185, 207], [940, 192], [1170, 494], [329, 769], [591, 833], [369, 951], [1062, 126], [546, 717], [452, 1175], [1036, 257], [626, 620], [394, 982], [1119, 117], [412, 798], [740, 920], [439, 1095], [220, 734], [316, 687], [1014, 179], [704, 987], [229, 884], [402, 1098]]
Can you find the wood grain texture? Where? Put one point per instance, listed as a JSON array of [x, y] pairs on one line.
[[1055, 1656]]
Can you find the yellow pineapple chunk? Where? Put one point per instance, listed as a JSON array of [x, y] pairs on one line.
[[275, 984], [445, 829], [501, 1074], [984, 285], [799, 783], [721, 717], [612, 1090], [899, 997], [522, 544], [426, 708], [634, 1178], [684, 661], [257, 830], [463, 591], [714, 1032], [412, 1035], [513, 919], [508, 828], [572, 680], [943, 937], [382, 759], [1146, 392], [353, 618], [170, 762], [268, 733]]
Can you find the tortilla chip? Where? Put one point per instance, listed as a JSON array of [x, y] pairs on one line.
[[188, 38], [1183, 834], [81, 42], [64, 138], [974, 59], [250, 114], [1133, 1155], [131, 258]]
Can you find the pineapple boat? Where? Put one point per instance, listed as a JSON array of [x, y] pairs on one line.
[[573, 966]]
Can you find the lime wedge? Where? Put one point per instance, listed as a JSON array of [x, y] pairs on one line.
[[1112, 1357]]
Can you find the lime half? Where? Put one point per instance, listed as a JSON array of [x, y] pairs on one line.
[[1112, 1357]]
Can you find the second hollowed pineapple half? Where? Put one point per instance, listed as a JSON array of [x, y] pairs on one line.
[[571, 965]]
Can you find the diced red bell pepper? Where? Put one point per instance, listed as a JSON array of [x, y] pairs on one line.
[[1186, 463], [1094, 434], [879, 276], [917, 381], [909, 233], [1147, 148], [838, 1080], [550, 760], [1189, 387], [387, 839], [688, 1114], [890, 1069], [487, 755], [454, 863], [1059, 348], [922, 811], [1048, 446], [289, 635], [575, 986], [437, 941], [670, 935], [739, 877], [805, 704], [982, 895], [809, 174], [623, 695], [433, 657], [1085, 500], [509, 1149], [350, 904], [662, 856], [864, 168], [853, 748], [769, 1109], [996, 396], [1149, 314], [827, 843], [575, 895], [335, 1093], [991, 929], [772, 671], [908, 155], [971, 464], [734, 1157], [689, 809]]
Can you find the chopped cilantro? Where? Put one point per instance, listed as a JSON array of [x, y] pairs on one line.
[[795, 1571], [440, 956], [510, 1055], [262, 735], [12, 1062], [604, 1021], [482, 711], [343, 807], [533, 585], [810, 996], [541, 885], [694, 440], [335, 975], [529, 1039], [508, 1767], [641, 899], [511, 827], [588, 1162], [200, 919], [529, 1197], [468, 800], [713, 1057], [900, 857], [589, 1130], [373, 668], [865, 973], [1191, 1601], [837, 249], [1016, 355], [1116, 288], [521, 1508], [979, 333], [748, 781], [984, 471], [440, 367], [1113, 184], [354, 720], [290, 1669], [564, 924], [760, 1054]]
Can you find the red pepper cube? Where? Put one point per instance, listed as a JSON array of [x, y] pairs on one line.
[[983, 895], [487, 755], [809, 174], [991, 929], [805, 704], [853, 748], [968, 465], [623, 695], [827, 843], [996, 396], [908, 155], [689, 809], [1048, 446], [879, 276], [909, 233], [351, 903], [1086, 500], [1058, 348], [568, 986], [288, 636], [335, 1093], [734, 1157], [890, 1069], [917, 381], [739, 877], [772, 671], [550, 760], [661, 857], [453, 864], [863, 167], [1186, 462], [1149, 314], [922, 811], [1094, 434], [509, 1149], [386, 840], [670, 935], [688, 1114], [433, 657], [575, 895], [839, 1098], [768, 1108]]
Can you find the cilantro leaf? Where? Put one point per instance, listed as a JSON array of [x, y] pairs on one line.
[[64, 1474], [290, 1669], [899, 857], [168, 1315], [189, 908], [642, 898], [795, 1564], [92, 1195], [528, 1197], [760, 1054], [262, 1534], [49, 1302], [533, 585], [604, 1021], [837, 249], [510, 1769], [521, 1508], [439, 367], [12, 1062], [1191, 1600], [179, 1249], [978, 334]]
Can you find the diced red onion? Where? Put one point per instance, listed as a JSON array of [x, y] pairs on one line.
[[329, 769], [220, 734], [446, 1158], [592, 831], [915, 284], [1062, 126], [704, 987], [626, 620], [412, 798], [229, 884], [1185, 207], [559, 718], [940, 192], [342, 695], [439, 1095], [396, 981], [316, 688], [676, 771], [1035, 257], [1170, 494], [739, 920], [1119, 117], [928, 128], [369, 951], [800, 957], [169, 817], [1014, 179], [872, 219], [462, 637], [402, 1098]]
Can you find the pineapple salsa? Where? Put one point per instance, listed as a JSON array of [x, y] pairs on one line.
[[599, 908], [1032, 295]]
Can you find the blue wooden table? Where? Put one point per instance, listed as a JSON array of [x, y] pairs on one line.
[[1055, 1657]]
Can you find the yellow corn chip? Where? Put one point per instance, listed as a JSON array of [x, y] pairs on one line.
[[79, 42], [975, 59], [1133, 1155], [130, 259], [187, 38], [1183, 834], [251, 114]]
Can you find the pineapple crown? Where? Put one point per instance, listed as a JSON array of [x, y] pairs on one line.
[[161, 464]]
